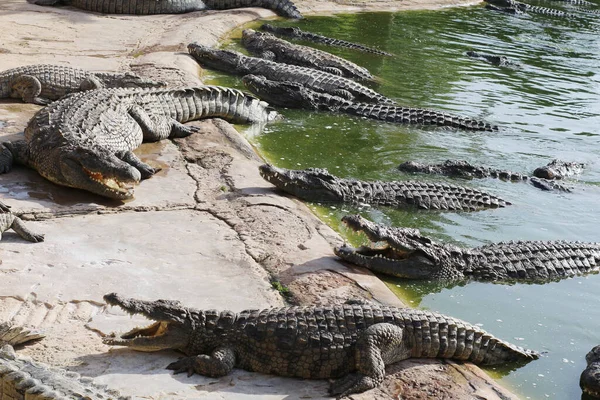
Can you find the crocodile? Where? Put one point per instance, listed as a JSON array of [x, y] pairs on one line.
[[42, 84], [351, 342], [296, 95], [297, 33], [285, 8], [234, 62], [499, 61], [318, 185], [590, 377], [515, 7], [86, 140], [543, 177], [10, 221], [21, 378], [270, 47], [408, 254]]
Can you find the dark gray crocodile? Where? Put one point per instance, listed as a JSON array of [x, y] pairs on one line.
[[351, 342], [21, 378], [590, 377], [285, 8], [297, 33], [499, 61], [237, 63], [270, 47], [514, 7], [86, 140], [543, 176], [10, 221], [318, 185], [296, 95], [408, 254], [42, 84]]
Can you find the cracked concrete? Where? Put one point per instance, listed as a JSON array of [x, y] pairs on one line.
[[206, 230]]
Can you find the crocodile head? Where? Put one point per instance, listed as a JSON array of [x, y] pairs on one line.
[[96, 170], [282, 93], [252, 38], [286, 31], [128, 80], [173, 327], [558, 169], [222, 60], [312, 184], [405, 252]]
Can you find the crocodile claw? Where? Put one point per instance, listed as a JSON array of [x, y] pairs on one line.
[[184, 364]]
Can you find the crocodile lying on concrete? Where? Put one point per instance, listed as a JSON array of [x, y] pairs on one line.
[[42, 84], [24, 379], [269, 47], [86, 140], [234, 62], [499, 61], [590, 377], [297, 33], [515, 7], [285, 8], [408, 254], [543, 176], [350, 342], [296, 95], [318, 185], [10, 221]]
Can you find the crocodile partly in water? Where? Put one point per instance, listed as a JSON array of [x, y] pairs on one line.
[[285, 8], [351, 342], [42, 84], [499, 61], [589, 380], [269, 47], [296, 95], [297, 33], [237, 63], [86, 140], [318, 185], [516, 7], [10, 221], [408, 254]]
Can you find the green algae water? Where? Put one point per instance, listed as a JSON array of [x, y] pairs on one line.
[[549, 108]]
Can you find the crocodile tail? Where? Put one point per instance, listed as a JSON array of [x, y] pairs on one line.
[[499, 352], [285, 8]]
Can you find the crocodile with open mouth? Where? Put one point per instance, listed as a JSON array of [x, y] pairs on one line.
[[86, 140], [352, 342], [410, 255]]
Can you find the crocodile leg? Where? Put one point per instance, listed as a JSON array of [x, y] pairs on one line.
[[11, 153], [29, 88], [219, 363], [19, 227], [91, 83], [145, 170], [377, 346], [156, 128]]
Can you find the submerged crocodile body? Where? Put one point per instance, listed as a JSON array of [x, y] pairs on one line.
[[24, 379], [86, 140], [543, 177], [42, 84], [590, 377], [296, 95], [516, 7], [237, 63], [269, 47], [350, 342], [318, 185], [408, 254], [285, 8], [499, 61], [10, 221], [297, 33]]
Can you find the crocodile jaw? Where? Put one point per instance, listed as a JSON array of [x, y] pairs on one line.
[[308, 184]]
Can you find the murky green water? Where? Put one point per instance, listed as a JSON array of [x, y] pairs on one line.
[[550, 108]]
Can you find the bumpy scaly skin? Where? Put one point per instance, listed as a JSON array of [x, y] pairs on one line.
[[23, 379], [590, 377], [237, 63], [297, 33], [10, 221], [557, 169], [285, 8], [500, 61], [351, 342], [464, 169], [295, 95], [272, 48], [42, 84], [86, 140], [410, 255], [515, 7], [318, 185]]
